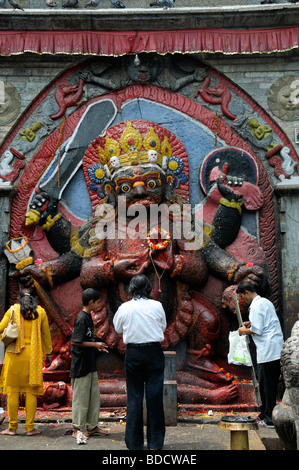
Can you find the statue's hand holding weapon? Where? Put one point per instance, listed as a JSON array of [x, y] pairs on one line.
[[249, 272], [41, 209]]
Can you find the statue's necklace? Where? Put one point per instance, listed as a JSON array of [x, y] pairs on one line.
[[159, 276], [163, 240]]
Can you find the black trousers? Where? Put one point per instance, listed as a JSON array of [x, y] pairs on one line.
[[268, 376], [145, 375]]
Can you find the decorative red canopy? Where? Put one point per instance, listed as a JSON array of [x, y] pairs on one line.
[[111, 43]]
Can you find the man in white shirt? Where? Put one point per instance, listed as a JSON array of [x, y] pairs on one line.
[[264, 326], [142, 322]]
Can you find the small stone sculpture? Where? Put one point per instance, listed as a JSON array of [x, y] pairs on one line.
[[286, 415]]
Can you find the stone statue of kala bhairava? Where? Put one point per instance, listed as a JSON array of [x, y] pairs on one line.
[[140, 225]]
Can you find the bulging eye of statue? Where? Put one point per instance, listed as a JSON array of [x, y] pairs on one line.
[[151, 184], [125, 187]]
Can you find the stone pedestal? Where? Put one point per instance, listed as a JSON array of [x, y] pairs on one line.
[[170, 390]]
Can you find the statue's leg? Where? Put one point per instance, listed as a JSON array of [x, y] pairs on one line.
[[202, 340]]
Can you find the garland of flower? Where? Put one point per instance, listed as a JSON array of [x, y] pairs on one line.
[[20, 248], [161, 244]]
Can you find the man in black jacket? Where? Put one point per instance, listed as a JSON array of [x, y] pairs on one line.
[[84, 377]]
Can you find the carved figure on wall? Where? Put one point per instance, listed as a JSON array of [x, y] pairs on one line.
[[286, 414], [4, 165], [67, 96], [262, 137], [261, 132], [8, 174], [29, 133], [10, 105], [289, 166], [142, 164], [217, 94], [283, 98], [166, 72], [284, 165], [264, 140]]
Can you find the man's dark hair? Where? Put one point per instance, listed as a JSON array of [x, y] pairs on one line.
[[90, 294], [245, 286], [140, 287]]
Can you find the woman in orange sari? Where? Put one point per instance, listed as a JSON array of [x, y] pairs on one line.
[[23, 362]]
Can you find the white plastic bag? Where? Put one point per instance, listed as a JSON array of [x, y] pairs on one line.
[[81, 439], [238, 349]]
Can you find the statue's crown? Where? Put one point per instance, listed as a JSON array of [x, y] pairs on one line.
[[133, 149]]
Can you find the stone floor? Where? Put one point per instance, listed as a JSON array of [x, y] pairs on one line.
[[194, 432]]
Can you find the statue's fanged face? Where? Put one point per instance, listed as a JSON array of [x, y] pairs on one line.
[[141, 184]]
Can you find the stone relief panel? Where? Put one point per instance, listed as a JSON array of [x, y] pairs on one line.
[[186, 135]]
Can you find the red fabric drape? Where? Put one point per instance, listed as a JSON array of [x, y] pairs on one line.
[[113, 43]]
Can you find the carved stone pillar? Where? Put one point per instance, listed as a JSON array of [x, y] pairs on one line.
[[288, 202], [6, 193]]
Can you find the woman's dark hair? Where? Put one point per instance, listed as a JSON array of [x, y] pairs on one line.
[[90, 294], [140, 287], [28, 301]]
